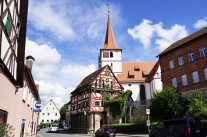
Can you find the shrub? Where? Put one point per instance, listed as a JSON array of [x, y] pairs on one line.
[[6, 130], [198, 105], [167, 104], [45, 125], [139, 127]]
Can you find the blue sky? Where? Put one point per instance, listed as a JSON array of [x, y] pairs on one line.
[[65, 36]]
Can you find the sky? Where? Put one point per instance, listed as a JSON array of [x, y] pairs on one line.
[[65, 36]]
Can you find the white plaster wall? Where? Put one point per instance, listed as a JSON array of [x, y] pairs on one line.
[[135, 88], [49, 109], [115, 60]]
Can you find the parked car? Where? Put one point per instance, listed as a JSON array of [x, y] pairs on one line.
[[67, 127], [106, 132], [53, 128], [187, 127], [38, 128]]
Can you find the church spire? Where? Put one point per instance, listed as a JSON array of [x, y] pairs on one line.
[[110, 42]]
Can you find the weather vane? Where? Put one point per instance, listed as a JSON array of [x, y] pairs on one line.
[[108, 8]]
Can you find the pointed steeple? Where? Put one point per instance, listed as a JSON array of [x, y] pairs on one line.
[[110, 42]]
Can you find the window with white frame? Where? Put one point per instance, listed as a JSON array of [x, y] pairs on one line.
[[202, 51], [25, 91], [174, 82], [195, 77], [171, 63], [191, 56], [29, 96], [180, 60], [184, 80], [205, 72]]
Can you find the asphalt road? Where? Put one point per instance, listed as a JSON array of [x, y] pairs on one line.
[[43, 133]]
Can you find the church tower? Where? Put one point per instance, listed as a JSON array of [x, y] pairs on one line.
[[110, 54]]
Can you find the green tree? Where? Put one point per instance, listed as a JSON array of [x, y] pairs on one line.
[[167, 104], [63, 112], [198, 105]]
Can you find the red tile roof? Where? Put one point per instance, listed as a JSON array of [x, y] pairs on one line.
[[145, 68]]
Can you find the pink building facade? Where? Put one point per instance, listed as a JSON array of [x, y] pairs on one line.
[[17, 104], [18, 92]]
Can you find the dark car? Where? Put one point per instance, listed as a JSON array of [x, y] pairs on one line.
[[187, 127], [38, 128], [106, 132]]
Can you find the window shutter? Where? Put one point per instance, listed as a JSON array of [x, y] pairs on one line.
[[8, 23]]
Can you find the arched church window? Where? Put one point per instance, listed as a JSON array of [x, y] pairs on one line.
[[142, 95], [111, 54]]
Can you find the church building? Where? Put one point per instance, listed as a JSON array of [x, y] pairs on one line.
[[142, 78]]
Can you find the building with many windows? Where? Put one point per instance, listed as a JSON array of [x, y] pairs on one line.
[[184, 63], [50, 113]]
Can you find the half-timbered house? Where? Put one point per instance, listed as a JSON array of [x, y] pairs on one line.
[[87, 112]]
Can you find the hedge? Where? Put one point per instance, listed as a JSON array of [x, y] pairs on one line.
[[141, 128], [45, 125]]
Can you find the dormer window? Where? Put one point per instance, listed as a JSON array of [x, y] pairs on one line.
[[131, 76], [136, 69], [146, 76]]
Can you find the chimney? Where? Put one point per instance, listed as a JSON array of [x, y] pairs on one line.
[[37, 87], [29, 61]]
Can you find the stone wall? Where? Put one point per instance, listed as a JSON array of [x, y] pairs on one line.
[[138, 113]]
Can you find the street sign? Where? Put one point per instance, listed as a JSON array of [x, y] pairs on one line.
[[38, 104], [148, 123], [37, 110], [147, 111]]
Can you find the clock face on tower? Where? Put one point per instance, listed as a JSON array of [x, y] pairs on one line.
[[105, 54]]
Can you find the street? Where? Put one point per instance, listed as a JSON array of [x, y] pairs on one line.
[[43, 133]]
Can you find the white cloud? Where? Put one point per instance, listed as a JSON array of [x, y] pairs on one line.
[[54, 91], [68, 20], [45, 56], [54, 84], [77, 72], [73, 74], [201, 23], [145, 32], [44, 16], [168, 36]]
